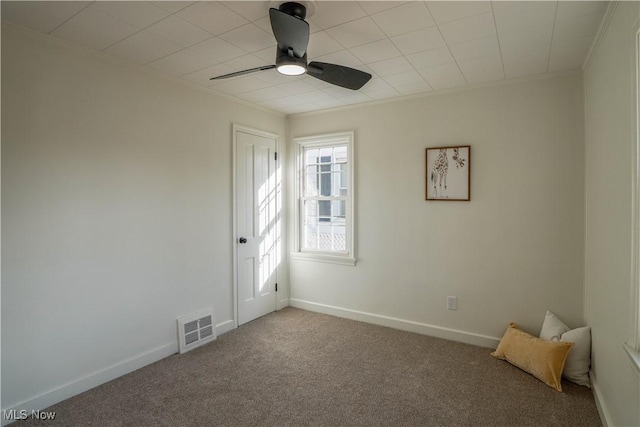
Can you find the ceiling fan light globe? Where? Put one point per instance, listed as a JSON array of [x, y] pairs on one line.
[[291, 69]]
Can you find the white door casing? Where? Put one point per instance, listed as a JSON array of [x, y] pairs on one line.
[[255, 223]]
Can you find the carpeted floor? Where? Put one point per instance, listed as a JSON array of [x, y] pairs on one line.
[[296, 368]]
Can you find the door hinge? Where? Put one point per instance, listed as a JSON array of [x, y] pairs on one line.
[[275, 156], [276, 287]]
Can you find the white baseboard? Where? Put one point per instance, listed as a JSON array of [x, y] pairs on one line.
[[92, 380], [282, 303], [605, 416], [80, 385], [224, 327], [402, 324]]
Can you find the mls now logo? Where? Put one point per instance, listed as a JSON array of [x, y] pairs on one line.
[[14, 414], [23, 414]]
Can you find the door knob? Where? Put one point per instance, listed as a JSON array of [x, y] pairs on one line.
[[242, 240]]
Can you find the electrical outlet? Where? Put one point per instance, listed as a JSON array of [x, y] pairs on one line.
[[452, 303]]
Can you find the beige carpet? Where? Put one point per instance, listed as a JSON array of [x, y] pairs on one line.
[[296, 368]]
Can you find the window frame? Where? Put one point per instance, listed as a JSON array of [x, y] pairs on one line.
[[633, 346], [317, 141]]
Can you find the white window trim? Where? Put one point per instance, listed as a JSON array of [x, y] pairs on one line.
[[633, 346], [342, 138]]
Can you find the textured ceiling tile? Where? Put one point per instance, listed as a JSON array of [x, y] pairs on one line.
[[524, 14], [179, 31], [217, 49], [332, 13], [322, 43], [181, 62], [376, 51], [143, 47], [578, 8], [356, 33], [447, 11], [572, 27], [138, 13], [250, 10], [480, 70], [391, 66], [94, 29], [41, 16], [418, 41], [372, 7], [475, 27], [476, 48], [403, 19], [249, 37], [431, 58], [404, 78], [172, 6], [212, 17]]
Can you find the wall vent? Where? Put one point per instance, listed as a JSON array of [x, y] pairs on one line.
[[195, 330]]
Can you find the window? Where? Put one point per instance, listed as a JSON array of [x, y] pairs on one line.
[[324, 217]]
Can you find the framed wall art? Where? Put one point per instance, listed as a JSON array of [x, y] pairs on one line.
[[449, 173]]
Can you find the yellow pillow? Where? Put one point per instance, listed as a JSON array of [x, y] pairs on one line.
[[542, 359]]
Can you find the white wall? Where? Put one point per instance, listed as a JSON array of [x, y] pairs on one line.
[[512, 252], [116, 214], [610, 135]]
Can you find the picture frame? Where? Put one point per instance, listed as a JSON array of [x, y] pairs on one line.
[[448, 173]]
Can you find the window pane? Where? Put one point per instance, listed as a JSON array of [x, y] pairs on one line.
[[310, 209], [326, 155], [340, 154], [339, 179], [338, 211], [324, 210], [310, 224], [311, 156], [330, 237], [325, 184], [339, 238], [336, 184], [311, 185], [324, 237], [310, 236], [344, 176]]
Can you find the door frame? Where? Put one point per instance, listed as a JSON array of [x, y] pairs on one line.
[[234, 246]]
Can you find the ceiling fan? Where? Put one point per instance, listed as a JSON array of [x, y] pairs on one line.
[[292, 35]]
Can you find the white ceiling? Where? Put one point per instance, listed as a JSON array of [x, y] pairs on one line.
[[408, 47]]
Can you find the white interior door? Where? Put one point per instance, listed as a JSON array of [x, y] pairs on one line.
[[256, 223]]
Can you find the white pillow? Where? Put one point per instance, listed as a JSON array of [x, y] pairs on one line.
[[552, 327], [576, 368]]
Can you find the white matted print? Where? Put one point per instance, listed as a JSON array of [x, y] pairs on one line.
[[448, 173]]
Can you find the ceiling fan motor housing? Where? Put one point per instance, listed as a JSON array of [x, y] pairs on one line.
[[293, 9]]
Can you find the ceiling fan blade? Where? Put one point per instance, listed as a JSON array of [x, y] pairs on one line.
[[290, 32], [338, 75], [243, 72]]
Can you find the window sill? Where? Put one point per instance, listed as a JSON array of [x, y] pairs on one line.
[[331, 259], [634, 356]]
